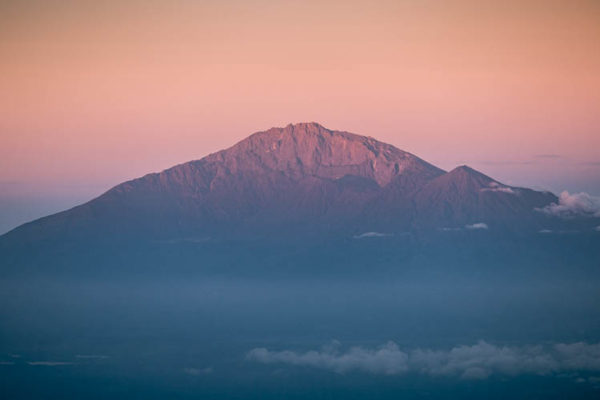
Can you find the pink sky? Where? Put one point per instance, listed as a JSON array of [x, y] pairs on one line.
[[93, 94]]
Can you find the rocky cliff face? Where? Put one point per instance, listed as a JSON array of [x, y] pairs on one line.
[[309, 149], [301, 177]]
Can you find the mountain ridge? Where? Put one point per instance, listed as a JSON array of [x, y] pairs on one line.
[[302, 175]]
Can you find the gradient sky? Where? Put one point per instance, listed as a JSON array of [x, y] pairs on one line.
[[94, 93]]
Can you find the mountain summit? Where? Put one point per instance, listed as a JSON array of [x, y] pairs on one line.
[[309, 149], [300, 178]]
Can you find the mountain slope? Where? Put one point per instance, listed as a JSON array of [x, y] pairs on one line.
[[300, 178], [466, 196], [277, 176]]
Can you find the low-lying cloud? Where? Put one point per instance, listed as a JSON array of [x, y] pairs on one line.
[[387, 359], [447, 229], [371, 235], [478, 225], [497, 187], [573, 205], [557, 232], [478, 361]]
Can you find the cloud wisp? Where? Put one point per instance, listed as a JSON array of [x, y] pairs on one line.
[[557, 232], [497, 187], [371, 235], [478, 361], [573, 205], [477, 225], [448, 229]]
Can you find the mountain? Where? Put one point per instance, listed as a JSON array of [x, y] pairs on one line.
[[303, 177], [465, 195], [292, 186]]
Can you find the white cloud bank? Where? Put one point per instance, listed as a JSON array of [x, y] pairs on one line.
[[387, 359], [571, 205], [497, 187], [478, 225], [478, 361]]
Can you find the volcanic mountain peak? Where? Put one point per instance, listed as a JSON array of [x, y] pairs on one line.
[[310, 149], [300, 178]]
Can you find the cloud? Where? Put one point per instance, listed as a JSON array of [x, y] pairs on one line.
[[482, 360], [371, 235], [478, 361], [559, 232], [597, 228], [578, 356], [385, 360], [497, 187], [477, 225], [447, 229], [7, 363], [572, 205]]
